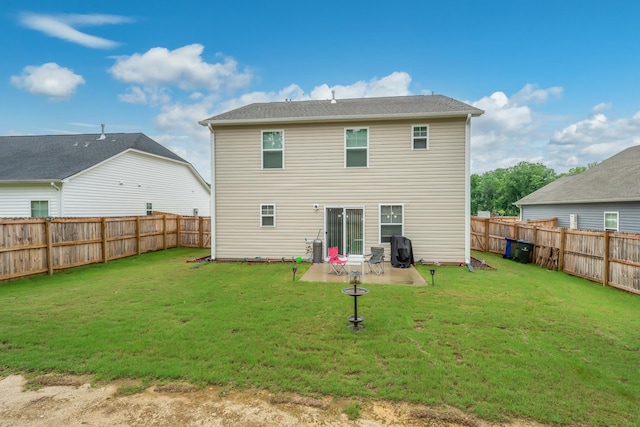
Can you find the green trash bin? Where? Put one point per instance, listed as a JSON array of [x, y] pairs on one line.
[[524, 251]]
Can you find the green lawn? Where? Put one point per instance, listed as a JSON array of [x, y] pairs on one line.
[[518, 341]]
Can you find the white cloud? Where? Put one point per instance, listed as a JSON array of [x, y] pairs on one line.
[[395, 84], [502, 114], [601, 107], [181, 133], [49, 80], [63, 27], [183, 68], [531, 94], [594, 138], [515, 129], [152, 96]]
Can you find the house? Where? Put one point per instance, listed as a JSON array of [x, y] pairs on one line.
[[113, 174], [348, 172], [604, 197]]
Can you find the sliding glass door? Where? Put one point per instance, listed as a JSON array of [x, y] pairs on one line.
[[345, 229]]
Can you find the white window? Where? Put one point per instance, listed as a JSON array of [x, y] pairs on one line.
[[391, 222], [272, 149], [420, 137], [39, 209], [611, 221], [267, 215], [149, 208], [356, 142]]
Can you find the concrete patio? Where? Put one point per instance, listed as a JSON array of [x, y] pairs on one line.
[[322, 272]]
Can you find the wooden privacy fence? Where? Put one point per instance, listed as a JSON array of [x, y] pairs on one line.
[[610, 258], [36, 245]]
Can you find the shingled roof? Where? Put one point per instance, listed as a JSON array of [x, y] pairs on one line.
[[56, 157], [613, 180], [395, 107]]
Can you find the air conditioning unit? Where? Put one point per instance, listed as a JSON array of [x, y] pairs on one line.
[[573, 221]]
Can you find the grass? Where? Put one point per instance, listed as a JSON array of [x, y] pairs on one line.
[[518, 341], [353, 411]]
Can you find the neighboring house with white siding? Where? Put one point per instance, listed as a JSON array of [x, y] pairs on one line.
[[351, 172], [604, 197], [96, 175]]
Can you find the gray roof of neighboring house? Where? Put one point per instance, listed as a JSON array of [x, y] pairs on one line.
[[613, 180], [396, 107], [56, 157]]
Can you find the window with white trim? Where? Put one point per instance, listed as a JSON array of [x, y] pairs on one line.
[[272, 149], [420, 137], [267, 215], [611, 221], [391, 222], [149, 208], [39, 208], [356, 143]]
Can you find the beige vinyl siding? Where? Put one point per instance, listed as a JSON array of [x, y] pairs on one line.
[[429, 183]]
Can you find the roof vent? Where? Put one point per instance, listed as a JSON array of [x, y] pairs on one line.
[[333, 97], [102, 135]]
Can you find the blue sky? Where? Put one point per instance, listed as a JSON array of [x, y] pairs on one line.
[[559, 80]]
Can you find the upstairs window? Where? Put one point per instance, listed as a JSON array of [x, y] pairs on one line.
[[356, 148], [39, 209], [391, 222], [420, 137], [273, 149], [149, 208], [611, 221], [267, 215]]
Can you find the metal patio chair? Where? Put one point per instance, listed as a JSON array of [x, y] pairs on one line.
[[375, 263]]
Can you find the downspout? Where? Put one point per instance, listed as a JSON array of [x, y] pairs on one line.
[[53, 184], [213, 193], [467, 190]]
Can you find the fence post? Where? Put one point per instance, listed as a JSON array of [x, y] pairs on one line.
[[47, 230], [535, 242], [164, 231], [605, 271], [138, 234], [105, 246], [487, 223], [200, 232], [561, 251], [178, 237]]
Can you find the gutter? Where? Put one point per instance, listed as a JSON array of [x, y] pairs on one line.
[[59, 189], [27, 181], [467, 189], [578, 201], [341, 118], [212, 230]]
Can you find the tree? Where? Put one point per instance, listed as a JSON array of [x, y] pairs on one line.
[[578, 169], [497, 190]]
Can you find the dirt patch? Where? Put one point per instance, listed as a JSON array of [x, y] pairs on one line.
[[72, 401], [480, 264]]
